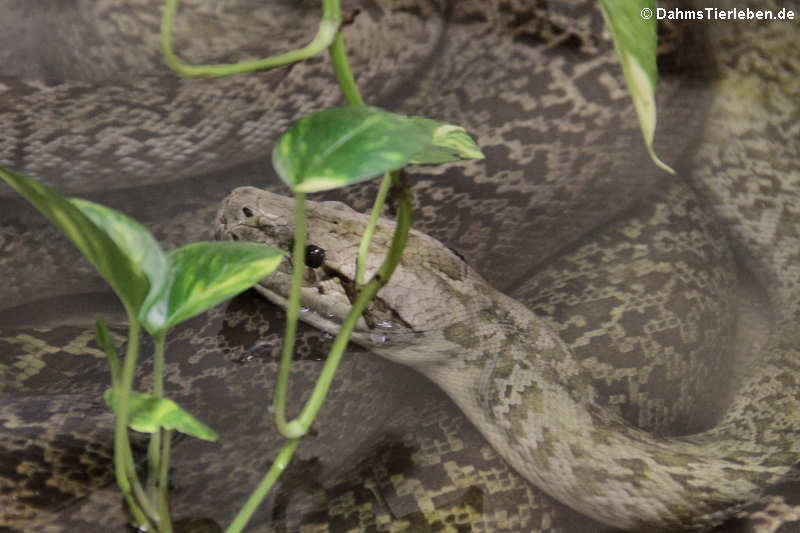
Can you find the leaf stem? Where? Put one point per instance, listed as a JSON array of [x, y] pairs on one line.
[[154, 449], [103, 336], [393, 256], [369, 231], [292, 315], [138, 515], [278, 466], [344, 75], [165, 524], [139, 493], [338, 54], [326, 32], [331, 10], [309, 413], [123, 457]]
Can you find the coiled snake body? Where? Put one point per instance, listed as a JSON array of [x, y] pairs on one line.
[[624, 264]]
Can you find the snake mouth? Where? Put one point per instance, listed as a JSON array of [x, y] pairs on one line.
[[327, 296], [324, 303], [326, 291]]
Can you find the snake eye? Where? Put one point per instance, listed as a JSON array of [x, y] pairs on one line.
[[315, 256]]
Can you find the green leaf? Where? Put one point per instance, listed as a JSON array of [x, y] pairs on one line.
[[340, 146], [104, 236], [633, 29], [148, 413], [336, 147], [133, 239], [103, 336], [203, 274], [448, 143]]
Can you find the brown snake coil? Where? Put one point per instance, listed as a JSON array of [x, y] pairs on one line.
[[520, 385]]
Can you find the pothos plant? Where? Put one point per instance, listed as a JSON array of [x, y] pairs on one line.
[[324, 150]]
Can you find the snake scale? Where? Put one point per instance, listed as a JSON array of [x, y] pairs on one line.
[[670, 303]]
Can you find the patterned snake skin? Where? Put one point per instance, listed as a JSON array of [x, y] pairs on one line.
[[670, 301]]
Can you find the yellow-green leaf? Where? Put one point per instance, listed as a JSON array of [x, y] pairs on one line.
[[633, 28], [448, 142], [147, 413], [130, 236], [340, 146], [109, 239], [202, 275]]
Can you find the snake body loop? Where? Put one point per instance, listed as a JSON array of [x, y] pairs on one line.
[[618, 306]]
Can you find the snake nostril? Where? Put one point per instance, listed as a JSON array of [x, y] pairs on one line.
[[247, 211]]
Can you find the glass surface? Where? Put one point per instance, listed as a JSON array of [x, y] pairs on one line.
[[566, 176]]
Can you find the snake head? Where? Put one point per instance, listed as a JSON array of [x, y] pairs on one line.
[[430, 287]]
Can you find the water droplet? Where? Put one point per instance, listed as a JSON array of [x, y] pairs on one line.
[[379, 338]]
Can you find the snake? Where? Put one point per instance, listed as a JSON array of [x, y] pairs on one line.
[[619, 260]]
